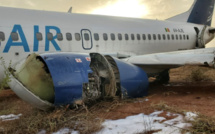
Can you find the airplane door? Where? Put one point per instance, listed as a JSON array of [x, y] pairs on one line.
[[87, 43]]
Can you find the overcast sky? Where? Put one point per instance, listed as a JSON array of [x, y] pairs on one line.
[[155, 8], [150, 9]]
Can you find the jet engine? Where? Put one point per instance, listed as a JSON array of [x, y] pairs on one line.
[[54, 79], [204, 35]]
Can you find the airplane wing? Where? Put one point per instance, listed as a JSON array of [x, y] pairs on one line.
[[155, 63]]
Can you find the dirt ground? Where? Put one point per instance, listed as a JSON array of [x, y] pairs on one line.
[[196, 97], [181, 93]]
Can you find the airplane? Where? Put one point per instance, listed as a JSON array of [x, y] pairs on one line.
[[76, 58]]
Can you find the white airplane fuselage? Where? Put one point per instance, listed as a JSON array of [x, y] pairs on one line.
[[117, 36]]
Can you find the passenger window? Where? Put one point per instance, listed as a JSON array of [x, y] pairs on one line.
[[39, 36], [112, 36], [154, 36], [172, 37], [77, 36], [149, 36], [159, 36], [180, 37], [86, 36], [168, 36], [120, 36], [126, 37], [164, 37], [187, 37], [2, 36], [105, 36], [176, 37], [96, 36], [184, 37], [132, 36], [144, 37], [138, 36], [14, 36], [59, 36], [50, 36], [68, 36]]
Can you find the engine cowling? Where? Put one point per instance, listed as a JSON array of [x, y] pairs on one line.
[[204, 35], [49, 80]]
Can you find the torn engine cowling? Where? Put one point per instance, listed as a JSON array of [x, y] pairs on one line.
[[49, 80]]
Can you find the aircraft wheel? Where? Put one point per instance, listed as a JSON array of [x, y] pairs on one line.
[[163, 77]]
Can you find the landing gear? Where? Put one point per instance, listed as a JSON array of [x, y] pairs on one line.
[[163, 77]]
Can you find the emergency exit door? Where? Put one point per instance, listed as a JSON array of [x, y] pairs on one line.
[[87, 43]]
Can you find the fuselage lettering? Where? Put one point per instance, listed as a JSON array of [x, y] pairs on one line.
[[23, 42], [48, 29], [10, 42], [176, 30]]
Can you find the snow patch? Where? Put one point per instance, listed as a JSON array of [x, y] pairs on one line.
[[170, 114], [142, 123], [146, 99], [9, 117], [141, 101], [190, 116], [61, 131], [66, 131]]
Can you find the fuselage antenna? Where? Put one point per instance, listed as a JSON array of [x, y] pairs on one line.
[[70, 10]]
